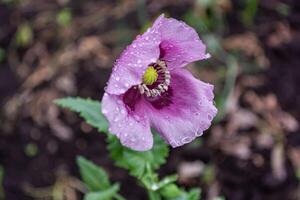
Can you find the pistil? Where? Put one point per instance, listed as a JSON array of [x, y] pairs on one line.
[[160, 77]]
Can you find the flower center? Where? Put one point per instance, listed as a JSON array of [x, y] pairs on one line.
[[150, 76], [156, 80]]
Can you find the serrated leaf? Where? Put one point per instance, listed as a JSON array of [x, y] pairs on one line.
[[88, 109], [171, 191], [92, 175], [136, 162], [107, 194], [193, 194]]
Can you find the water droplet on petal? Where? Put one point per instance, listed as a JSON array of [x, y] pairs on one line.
[[137, 118], [198, 134], [186, 140], [209, 117]]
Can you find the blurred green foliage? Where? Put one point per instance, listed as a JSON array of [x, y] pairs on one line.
[[2, 55], [208, 175], [31, 150], [249, 12], [2, 195], [64, 17], [283, 9], [24, 35]]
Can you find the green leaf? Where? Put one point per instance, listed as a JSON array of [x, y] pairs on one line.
[[136, 162], [103, 195], [194, 194], [89, 109], [171, 191], [93, 176]]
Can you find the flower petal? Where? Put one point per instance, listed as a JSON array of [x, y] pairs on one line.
[[133, 129], [180, 43], [190, 112], [133, 62]]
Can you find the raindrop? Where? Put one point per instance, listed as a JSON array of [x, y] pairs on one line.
[[153, 60], [209, 117], [116, 119], [198, 134], [186, 140], [137, 118], [122, 91]]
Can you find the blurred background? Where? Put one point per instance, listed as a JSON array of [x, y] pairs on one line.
[[56, 48]]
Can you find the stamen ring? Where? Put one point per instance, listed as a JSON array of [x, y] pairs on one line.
[[162, 87]]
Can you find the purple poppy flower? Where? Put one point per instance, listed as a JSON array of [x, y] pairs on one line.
[[150, 88]]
